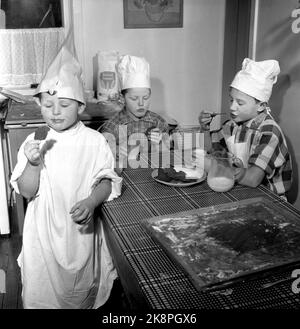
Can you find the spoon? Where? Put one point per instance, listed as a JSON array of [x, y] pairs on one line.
[[274, 283], [213, 114]]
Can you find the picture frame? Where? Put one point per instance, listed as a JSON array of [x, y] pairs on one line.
[[141, 14]]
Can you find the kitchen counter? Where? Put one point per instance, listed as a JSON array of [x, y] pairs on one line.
[[30, 113]]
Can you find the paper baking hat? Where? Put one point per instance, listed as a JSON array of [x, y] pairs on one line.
[[257, 78], [134, 72], [63, 76]]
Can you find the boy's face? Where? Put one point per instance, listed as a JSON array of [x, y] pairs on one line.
[[59, 113], [242, 106], [138, 101]]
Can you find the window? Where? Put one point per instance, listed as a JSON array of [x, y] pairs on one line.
[[31, 14], [31, 36]]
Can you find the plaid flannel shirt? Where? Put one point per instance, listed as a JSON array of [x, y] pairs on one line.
[[267, 148], [149, 121]]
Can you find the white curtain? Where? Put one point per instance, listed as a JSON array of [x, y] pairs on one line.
[[26, 53]]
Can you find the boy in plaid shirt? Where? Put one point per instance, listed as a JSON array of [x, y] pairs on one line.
[[134, 122], [252, 134]]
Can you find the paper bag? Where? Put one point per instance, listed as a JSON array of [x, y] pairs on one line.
[[107, 80]]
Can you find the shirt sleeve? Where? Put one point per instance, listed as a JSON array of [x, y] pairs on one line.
[[162, 124], [110, 131], [21, 164], [270, 152], [218, 140], [108, 126]]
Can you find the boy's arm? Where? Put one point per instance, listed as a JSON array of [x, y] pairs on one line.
[[252, 176], [212, 140], [101, 192], [83, 210], [269, 154], [28, 182]]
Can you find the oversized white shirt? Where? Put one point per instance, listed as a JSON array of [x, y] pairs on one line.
[[64, 264]]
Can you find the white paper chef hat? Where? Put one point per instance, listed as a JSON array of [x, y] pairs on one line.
[[257, 78], [134, 72], [63, 76]]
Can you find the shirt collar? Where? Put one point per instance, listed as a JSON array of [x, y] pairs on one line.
[[254, 123], [125, 118], [68, 132]]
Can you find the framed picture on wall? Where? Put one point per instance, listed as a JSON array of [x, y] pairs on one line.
[[152, 13]]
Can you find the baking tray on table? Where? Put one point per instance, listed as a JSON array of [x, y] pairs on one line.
[[227, 243]]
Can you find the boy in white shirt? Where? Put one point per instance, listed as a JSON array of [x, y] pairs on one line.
[[64, 260]]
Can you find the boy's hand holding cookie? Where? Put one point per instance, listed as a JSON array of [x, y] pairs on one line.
[[32, 152]]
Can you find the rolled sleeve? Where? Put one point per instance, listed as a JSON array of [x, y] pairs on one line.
[[267, 154]]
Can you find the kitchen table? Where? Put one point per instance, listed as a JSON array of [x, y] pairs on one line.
[[151, 280]]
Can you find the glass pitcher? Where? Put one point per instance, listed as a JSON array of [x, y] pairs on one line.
[[220, 177]]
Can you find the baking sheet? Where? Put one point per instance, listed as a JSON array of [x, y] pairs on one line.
[[225, 242]]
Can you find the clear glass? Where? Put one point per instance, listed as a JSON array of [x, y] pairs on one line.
[[220, 176]]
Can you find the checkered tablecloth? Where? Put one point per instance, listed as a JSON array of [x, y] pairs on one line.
[[163, 283]]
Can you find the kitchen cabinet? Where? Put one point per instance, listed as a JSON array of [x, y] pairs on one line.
[[21, 120]]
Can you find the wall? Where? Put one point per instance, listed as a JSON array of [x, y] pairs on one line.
[[275, 39], [186, 63]]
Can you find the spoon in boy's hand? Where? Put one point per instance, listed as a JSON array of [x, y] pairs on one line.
[[213, 114], [205, 119]]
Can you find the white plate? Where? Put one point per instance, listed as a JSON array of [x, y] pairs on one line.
[[177, 183]]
